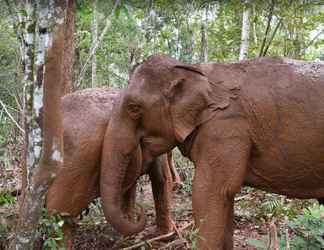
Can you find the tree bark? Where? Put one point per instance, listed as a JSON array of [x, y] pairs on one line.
[[245, 31], [69, 44], [43, 38], [204, 43], [272, 4], [94, 41], [271, 38]]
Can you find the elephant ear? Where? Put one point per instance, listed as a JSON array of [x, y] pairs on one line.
[[193, 99]]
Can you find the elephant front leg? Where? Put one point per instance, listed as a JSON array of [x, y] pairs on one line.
[[161, 181], [219, 174]]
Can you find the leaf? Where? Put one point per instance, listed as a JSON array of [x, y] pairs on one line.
[[260, 244], [61, 223]]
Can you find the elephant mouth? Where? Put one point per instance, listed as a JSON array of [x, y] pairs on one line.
[[155, 145]]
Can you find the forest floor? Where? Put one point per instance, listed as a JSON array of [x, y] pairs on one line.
[[254, 210], [94, 233]]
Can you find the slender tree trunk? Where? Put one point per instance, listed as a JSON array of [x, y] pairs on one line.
[[95, 46], [272, 4], [134, 55], [204, 43], [94, 41], [265, 51], [245, 31], [43, 38], [69, 44]]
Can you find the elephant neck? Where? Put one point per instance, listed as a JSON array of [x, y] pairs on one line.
[[186, 146]]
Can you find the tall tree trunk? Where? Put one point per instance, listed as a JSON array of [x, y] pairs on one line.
[[67, 64], [245, 31], [204, 43], [94, 41], [69, 44], [272, 4], [43, 38]]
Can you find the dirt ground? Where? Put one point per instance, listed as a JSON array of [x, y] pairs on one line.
[[94, 233]]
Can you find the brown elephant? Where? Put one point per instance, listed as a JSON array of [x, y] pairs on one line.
[[258, 122], [86, 116]]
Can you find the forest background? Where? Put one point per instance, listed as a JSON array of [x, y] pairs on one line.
[[110, 39]]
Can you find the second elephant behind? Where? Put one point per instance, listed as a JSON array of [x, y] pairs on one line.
[[86, 115]]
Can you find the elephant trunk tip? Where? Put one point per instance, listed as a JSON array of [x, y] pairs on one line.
[[125, 227]]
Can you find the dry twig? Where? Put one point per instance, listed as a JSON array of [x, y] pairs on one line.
[[161, 237], [179, 234], [11, 117]]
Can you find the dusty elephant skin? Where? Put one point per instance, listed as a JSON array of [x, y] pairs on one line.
[[86, 116], [259, 122]]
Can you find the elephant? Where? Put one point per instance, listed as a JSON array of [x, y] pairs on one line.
[[85, 116], [258, 122]]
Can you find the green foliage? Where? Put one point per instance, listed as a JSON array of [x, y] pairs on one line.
[[270, 206], [278, 207], [6, 198], [140, 29], [260, 244], [10, 77], [193, 236], [50, 230], [186, 171], [307, 231]]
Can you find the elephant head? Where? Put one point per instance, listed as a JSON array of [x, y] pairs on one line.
[[163, 104]]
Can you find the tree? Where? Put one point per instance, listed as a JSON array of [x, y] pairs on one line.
[[245, 31], [41, 32], [94, 41], [69, 44], [95, 45], [204, 43]]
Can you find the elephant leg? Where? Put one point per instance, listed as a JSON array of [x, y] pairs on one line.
[[72, 191], [161, 181], [230, 226], [220, 171]]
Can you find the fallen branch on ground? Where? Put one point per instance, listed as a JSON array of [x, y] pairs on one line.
[[179, 233], [161, 237]]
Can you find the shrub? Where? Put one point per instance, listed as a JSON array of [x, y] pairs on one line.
[[50, 230], [307, 231]]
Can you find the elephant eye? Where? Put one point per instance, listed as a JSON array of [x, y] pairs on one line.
[[134, 110]]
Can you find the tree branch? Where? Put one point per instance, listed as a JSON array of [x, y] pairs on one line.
[[313, 40], [11, 117], [164, 236]]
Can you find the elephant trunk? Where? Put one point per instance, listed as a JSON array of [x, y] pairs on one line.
[[119, 145]]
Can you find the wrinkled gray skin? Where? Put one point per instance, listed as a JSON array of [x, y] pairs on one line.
[[258, 122]]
